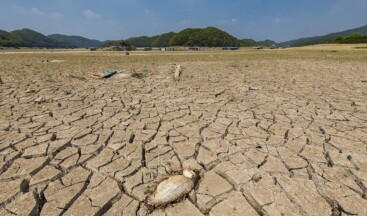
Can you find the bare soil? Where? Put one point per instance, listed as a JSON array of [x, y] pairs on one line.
[[269, 132]]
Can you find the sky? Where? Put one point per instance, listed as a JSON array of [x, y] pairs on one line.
[[279, 20]]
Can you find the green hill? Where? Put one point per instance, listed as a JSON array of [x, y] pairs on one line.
[[29, 38], [323, 39], [208, 37], [251, 43], [74, 41], [352, 39], [109, 43], [9, 40], [266, 43], [248, 42], [32, 38], [142, 41], [163, 40]]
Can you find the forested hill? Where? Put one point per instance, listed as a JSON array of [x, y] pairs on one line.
[[162, 40], [9, 40], [207, 37], [75, 41], [32, 38], [29, 38], [210, 36], [323, 39]]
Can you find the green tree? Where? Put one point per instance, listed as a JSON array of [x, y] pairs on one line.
[[338, 40], [124, 43], [355, 36], [351, 39]]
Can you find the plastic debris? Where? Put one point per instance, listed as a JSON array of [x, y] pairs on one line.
[[105, 74]]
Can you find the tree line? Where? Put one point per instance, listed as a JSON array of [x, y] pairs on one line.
[[351, 39]]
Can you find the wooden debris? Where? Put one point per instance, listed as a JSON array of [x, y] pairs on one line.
[[77, 77], [254, 88], [178, 72]]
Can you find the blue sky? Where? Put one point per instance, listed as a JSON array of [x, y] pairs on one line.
[[279, 20]]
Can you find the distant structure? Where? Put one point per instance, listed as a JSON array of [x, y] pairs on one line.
[[167, 49], [121, 48], [196, 48], [92, 48], [230, 48], [144, 48]]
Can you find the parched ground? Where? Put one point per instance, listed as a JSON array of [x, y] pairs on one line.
[[281, 132]]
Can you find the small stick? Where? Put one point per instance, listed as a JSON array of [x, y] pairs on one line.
[[178, 72]]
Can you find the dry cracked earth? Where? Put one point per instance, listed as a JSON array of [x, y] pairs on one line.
[[280, 132]]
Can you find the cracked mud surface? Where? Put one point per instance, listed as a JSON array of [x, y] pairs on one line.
[[270, 132]]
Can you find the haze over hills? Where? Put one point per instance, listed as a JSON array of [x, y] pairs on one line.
[[210, 36]]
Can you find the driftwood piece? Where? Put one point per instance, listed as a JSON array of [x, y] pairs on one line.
[[178, 72]]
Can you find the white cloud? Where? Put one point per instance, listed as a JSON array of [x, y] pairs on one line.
[[37, 12], [91, 14], [233, 20]]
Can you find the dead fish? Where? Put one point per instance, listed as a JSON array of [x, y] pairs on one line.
[[172, 189]]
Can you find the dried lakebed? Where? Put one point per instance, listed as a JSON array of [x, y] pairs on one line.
[[280, 132]]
